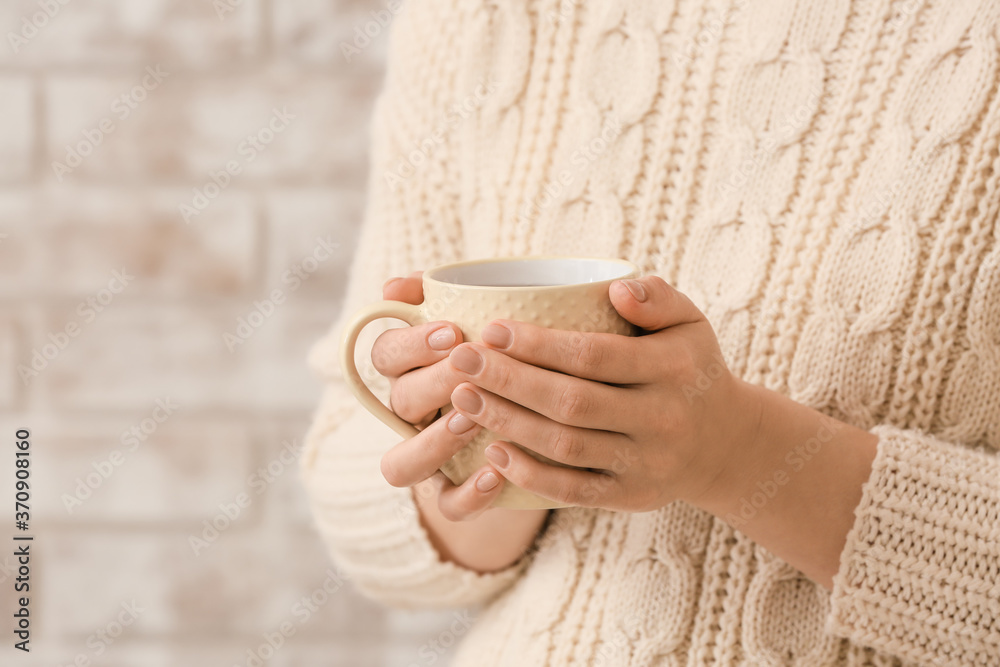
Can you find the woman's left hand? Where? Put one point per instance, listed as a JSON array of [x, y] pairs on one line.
[[644, 420]]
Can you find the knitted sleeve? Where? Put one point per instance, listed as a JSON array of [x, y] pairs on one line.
[[372, 529], [920, 573]]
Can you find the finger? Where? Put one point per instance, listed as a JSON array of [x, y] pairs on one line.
[[409, 289], [571, 486], [472, 497], [603, 357], [399, 351], [422, 392], [652, 304], [570, 445], [417, 458], [563, 398]]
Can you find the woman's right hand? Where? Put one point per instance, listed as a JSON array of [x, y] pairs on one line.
[[414, 359]]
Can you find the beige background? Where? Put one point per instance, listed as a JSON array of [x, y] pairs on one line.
[[162, 336]]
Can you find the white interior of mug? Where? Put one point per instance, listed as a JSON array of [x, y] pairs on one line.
[[532, 272]]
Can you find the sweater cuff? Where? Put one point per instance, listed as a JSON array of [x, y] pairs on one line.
[[919, 576], [371, 528]]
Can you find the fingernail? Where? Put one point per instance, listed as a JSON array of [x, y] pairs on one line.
[[441, 339], [468, 400], [497, 336], [637, 290], [487, 482], [460, 424], [389, 282], [467, 360], [497, 456]]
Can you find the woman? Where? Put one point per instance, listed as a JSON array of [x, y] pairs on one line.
[[812, 417]]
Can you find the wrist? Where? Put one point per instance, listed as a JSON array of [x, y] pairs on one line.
[[496, 539], [753, 453]]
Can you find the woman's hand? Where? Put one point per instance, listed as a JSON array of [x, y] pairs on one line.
[[414, 359], [658, 418], [655, 418], [455, 517]]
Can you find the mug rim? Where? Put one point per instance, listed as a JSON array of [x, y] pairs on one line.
[[430, 275]]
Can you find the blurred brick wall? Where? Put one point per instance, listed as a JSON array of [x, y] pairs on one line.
[[116, 114]]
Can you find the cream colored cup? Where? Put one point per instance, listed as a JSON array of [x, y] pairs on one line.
[[566, 293]]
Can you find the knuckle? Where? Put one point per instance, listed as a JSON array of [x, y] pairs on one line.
[[564, 493], [588, 355], [572, 404], [567, 447], [658, 283], [501, 374], [500, 418], [662, 290], [522, 476], [401, 403], [446, 378]]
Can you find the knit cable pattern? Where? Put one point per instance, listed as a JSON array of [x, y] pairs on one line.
[[822, 178]]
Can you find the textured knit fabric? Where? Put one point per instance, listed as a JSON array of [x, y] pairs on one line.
[[821, 177]]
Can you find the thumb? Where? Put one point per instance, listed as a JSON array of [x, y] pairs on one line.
[[652, 304], [409, 289]]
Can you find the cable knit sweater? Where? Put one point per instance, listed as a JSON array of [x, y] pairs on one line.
[[821, 177]]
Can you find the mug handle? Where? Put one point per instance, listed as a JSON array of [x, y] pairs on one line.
[[395, 309]]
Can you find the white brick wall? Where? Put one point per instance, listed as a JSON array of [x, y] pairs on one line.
[[128, 165], [8, 356], [80, 232]]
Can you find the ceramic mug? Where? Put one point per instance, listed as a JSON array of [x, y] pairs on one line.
[[569, 293]]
